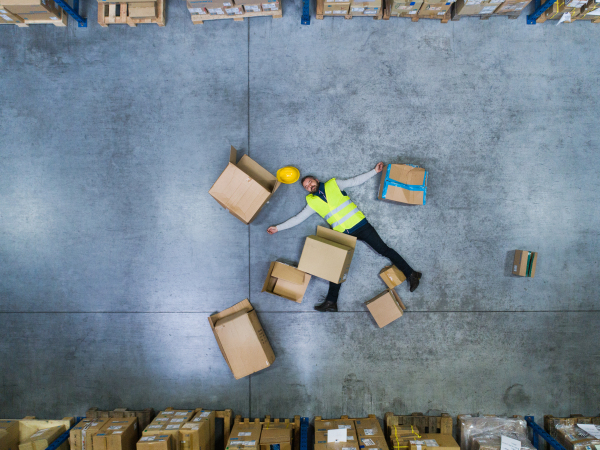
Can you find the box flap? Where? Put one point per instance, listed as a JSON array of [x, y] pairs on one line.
[[336, 236], [232, 155], [398, 299], [288, 273], [258, 173], [269, 281]]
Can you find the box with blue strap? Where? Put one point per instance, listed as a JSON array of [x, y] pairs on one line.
[[403, 183]]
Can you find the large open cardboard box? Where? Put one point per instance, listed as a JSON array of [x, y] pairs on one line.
[[403, 183], [244, 188], [328, 255], [286, 281], [242, 339]]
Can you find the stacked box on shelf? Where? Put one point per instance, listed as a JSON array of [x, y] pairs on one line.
[[238, 9], [573, 437], [591, 11], [365, 8], [405, 8], [285, 433], [512, 7], [434, 8], [131, 12], [476, 7]]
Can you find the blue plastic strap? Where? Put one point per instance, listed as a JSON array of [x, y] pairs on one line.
[[409, 187]]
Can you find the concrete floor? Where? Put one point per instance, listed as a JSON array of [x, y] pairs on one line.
[[112, 253]]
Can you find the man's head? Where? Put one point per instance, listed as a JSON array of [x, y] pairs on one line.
[[310, 183]]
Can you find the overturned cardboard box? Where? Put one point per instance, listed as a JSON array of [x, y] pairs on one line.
[[386, 307], [403, 183], [244, 188], [328, 255], [242, 339], [286, 281], [392, 276], [524, 263]]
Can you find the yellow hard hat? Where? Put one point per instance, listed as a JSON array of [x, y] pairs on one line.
[[288, 175]]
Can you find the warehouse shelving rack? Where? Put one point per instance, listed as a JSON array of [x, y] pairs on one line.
[[539, 10], [540, 432], [73, 11]]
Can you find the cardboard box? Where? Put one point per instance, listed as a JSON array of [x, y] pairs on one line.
[[253, 2], [439, 441], [282, 437], [373, 443], [511, 7], [434, 9], [405, 9], [8, 17], [242, 339], [244, 188], [244, 436], [286, 281], [336, 8], [199, 10], [159, 442], [375, 4], [368, 427], [322, 437], [403, 183], [41, 439], [392, 276], [142, 9], [400, 432], [35, 9], [349, 445], [206, 4], [80, 436], [270, 6], [328, 255], [117, 434], [233, 11], [170, 422], [385, 308], [9, 434], [252, 8], [207, 418], [524, 263], [333, 424], [195, 436]]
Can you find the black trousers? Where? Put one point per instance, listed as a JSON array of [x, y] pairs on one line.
[[369, 235]]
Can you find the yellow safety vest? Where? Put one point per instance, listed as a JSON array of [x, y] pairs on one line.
[[339, 211]]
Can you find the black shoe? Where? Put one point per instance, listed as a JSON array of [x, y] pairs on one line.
[[327, 306], [414, 280]]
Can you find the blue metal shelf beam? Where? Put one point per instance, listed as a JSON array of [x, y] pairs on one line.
[[73, 11], [305, 12], [539, 431], [539, 10], [304, 433]]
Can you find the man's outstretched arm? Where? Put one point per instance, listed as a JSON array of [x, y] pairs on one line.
[[360, 179], [293, 221]]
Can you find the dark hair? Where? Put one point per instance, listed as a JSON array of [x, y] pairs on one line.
[[307, 176]]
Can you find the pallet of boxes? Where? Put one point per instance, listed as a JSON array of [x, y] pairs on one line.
[[238, 10], [171, 429], [23, 13], [132, 12], [33, 434], [419, 9], [572, 10], [350, 9], [579, 436], [484, 9], [349, 434], [265, 435], [492, 432], [431, 433]]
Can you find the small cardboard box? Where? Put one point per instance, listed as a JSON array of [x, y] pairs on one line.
[[386, 307], [286, 281], [9, 434], [158, 442], [117, 434], [244, 188], [524, 263], [242, 339], [403, 183], [80, 436], [439, 441], [276, 436], [336, 8], [41, 439], [206, 418], [328, 255], [392, 276], [373, 443], [368, 428], [244, 436], [142, 10]]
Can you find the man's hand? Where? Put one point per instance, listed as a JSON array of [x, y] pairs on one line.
[[272, 230], [379, 167]]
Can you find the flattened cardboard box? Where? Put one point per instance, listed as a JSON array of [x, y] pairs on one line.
[[403, 183], [242, 339], [243, 188], [160, 442], [41, 439], [117, 434], [524, 263], [368, 427], [286, 281], [80, 436], [385, 308], [328, 255], [9, 434], [244, 436]]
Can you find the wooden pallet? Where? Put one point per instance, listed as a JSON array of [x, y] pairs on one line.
[[60, 22], [107, 15], [294, 423], [145, 416], [199, 19], [426, 424], [387, 13], [321, 7]]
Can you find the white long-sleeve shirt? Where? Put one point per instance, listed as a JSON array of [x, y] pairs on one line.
[[308, 211]]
